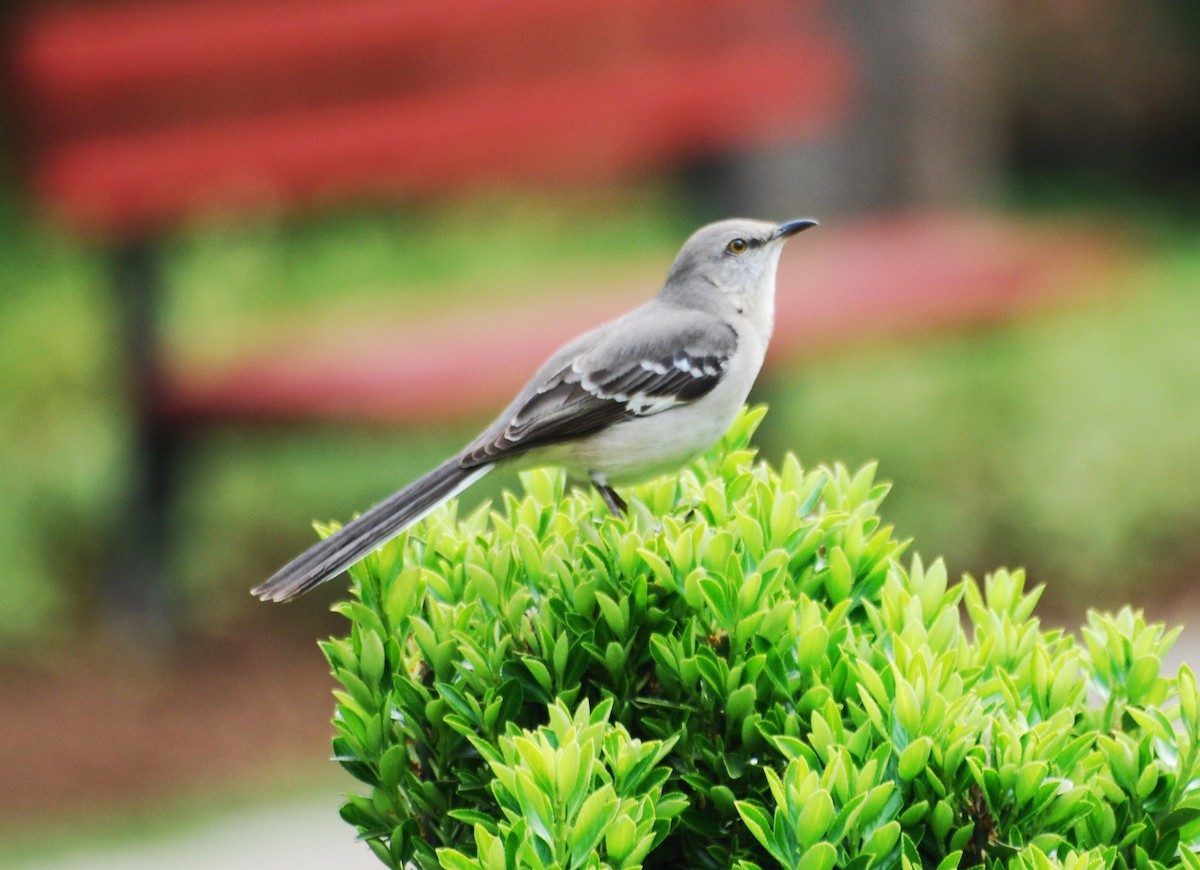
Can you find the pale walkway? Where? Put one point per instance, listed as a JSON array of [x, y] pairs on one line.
[[296, 837]]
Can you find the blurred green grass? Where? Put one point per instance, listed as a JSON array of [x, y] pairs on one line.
[[233, 279], [60, 423], [1067, 442]]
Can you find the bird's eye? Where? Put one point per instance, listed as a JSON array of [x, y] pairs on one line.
[[737, 246]]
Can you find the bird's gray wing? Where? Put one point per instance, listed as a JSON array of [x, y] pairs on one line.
[[634, 367]]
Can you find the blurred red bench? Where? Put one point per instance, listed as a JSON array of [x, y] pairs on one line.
[[135, 115], [140, 114]]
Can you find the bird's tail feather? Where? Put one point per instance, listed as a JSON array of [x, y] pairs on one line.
[[360, 536]]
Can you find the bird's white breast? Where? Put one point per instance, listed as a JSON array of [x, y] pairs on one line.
[[646, 446]]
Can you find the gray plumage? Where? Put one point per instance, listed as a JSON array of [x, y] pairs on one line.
[[634, 398], [629, 368]]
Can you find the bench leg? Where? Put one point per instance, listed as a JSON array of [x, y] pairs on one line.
[[137, 597]]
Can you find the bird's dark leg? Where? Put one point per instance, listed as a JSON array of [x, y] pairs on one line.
[[615, 503]]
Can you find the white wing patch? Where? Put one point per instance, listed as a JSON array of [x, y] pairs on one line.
[[697, 368], [642, 405]]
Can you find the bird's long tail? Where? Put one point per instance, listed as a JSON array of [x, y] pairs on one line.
[[378, 525]]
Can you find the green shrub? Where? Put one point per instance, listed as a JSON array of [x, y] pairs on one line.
[[741, 673]]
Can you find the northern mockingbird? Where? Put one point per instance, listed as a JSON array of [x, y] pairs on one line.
[[635, 398]]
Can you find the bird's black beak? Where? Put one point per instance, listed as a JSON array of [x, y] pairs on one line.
[[790, 228]]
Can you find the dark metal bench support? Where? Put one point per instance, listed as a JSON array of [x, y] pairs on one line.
[[137, 597]]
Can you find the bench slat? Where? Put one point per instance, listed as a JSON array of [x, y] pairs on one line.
[[583, 127], [127, 68]]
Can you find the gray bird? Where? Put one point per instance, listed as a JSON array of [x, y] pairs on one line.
[[623, 403]]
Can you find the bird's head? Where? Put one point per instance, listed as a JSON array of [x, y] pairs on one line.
[[733, 259]]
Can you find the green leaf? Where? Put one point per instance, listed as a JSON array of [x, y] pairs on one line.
[[718, 600], [660, 569], [540, 673], [881, 843], [908, 708], [1189, 859], [1142, 677], [821, 856], [614, 615], [1178, 818], [758, 822], [815, 817], [404, 595], [614, 659], [839, 579], [740, 702], [392, 764], [1186, 686], [1032, 775], [723, 799], [914, 758], [450, 859], [620, 839], [596, 814], [951, 861]]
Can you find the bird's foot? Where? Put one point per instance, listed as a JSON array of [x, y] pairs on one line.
[[615, 503]]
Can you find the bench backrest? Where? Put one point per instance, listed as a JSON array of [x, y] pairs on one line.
[[137, 114]]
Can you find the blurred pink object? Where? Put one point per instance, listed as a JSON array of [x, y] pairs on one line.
[[914, 274]]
